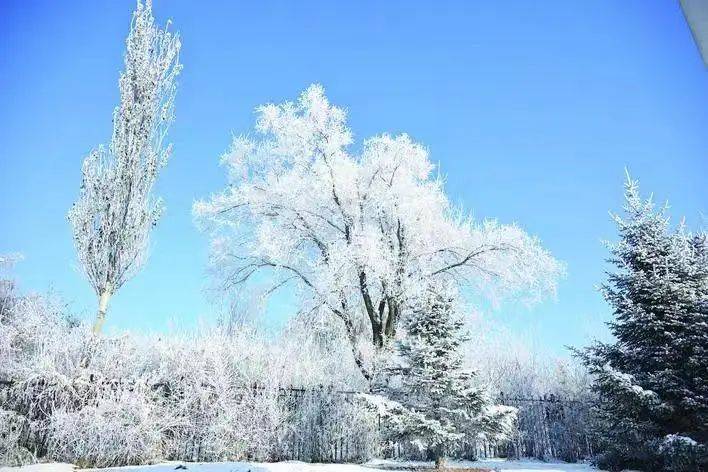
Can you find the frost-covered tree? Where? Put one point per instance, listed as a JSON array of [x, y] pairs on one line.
[[653, 381], [430, 399], [115, 211], [357, 232]]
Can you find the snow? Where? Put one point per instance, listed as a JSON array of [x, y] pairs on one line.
[[500, 465], [529, 465], [497, 465], [675, 439], [51, 467]]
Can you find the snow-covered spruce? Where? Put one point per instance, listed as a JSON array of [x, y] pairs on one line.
[[427, 398], [653, 381], [115, 211]]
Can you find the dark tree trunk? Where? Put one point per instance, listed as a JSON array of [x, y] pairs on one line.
[[440, 460], [392, 319], [374, 318]]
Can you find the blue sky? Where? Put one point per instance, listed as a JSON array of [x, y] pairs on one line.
[[532, 109]]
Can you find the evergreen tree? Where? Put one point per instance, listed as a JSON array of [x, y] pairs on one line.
[[430, 399], [653, 380]]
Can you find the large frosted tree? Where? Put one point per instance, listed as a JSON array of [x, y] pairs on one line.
[[653, 380], [115, 212], [358, 232]]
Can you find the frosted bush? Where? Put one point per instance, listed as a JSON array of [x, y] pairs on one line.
[[209, 394], [223, 422], [7, 361], [222, 390], [12, 427], [122, 429], [681, 454], [324, 425]]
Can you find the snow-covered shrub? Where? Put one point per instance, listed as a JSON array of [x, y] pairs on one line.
[[329, 426], [8, 332], [311, 352], [12, 429], [82, 398], [232, 390], [681, 454], [41, 364], [122, 428], [203, 395], [513, 365], [220, 422], [34, 333], [222, 389], [551, 392]]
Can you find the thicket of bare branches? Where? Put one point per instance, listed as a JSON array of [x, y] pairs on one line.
[[211, 394]]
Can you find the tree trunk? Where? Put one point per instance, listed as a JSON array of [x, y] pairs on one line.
[[374, 317], [391, 320], [102, 308], [378, 338], [440, 460]]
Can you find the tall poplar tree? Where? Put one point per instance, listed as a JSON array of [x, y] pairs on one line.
[[115, 212]]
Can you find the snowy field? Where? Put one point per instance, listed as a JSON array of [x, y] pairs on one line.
[[497, 465]]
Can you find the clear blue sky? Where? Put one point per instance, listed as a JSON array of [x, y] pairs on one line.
[[533, 110]]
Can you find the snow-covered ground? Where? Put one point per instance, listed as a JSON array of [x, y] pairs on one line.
[[500, 465], [291, 466]]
